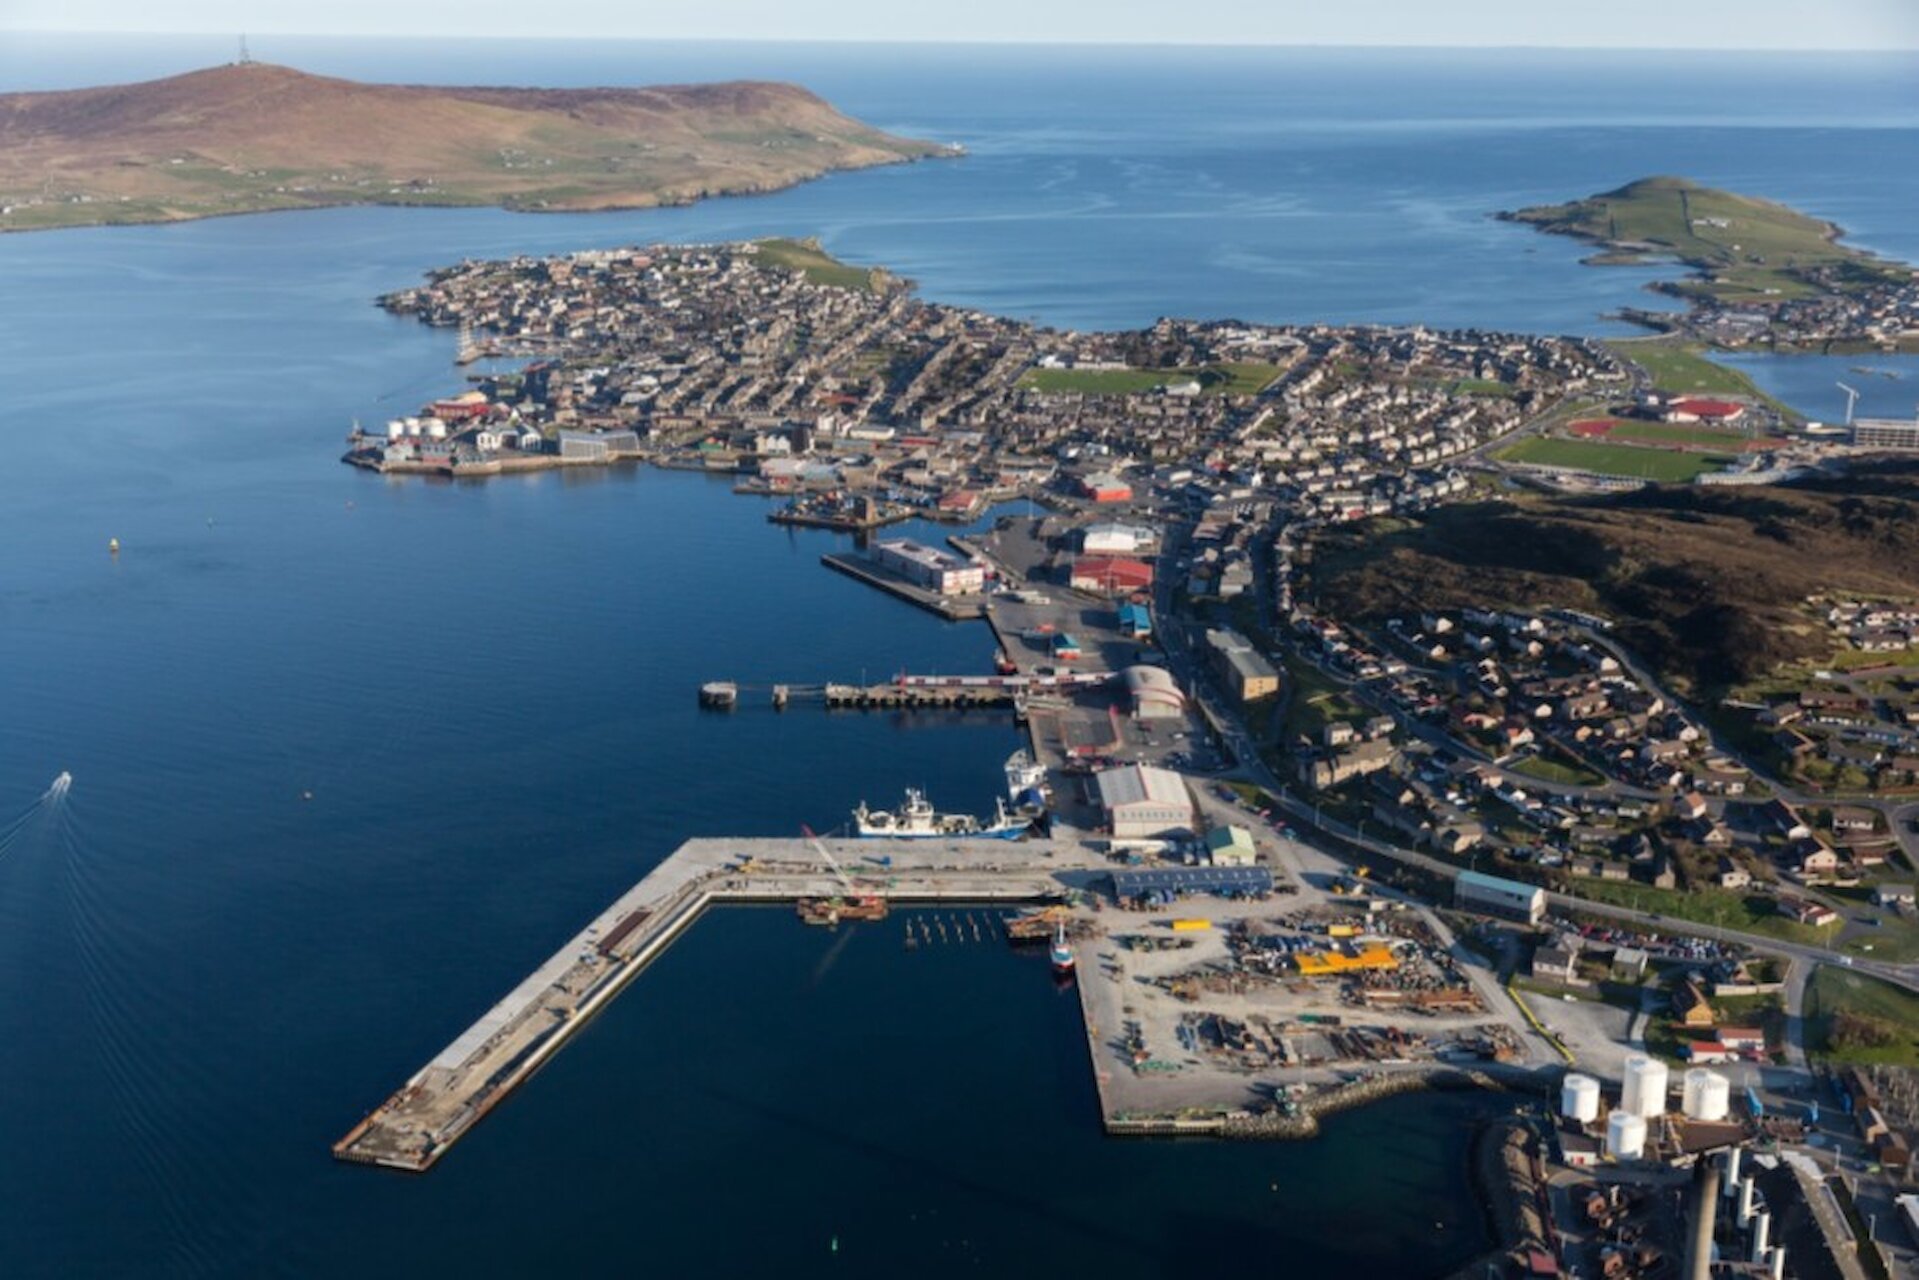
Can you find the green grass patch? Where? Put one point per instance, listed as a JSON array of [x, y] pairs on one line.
[[1853, 1018], [1681, 368], [1101, 382], [1724, 908], [1676, 433], [1662, 465], [1566, 775], [817, 265], [1241, 378], [1483, 387], [1229, 379], [1316, 701], [1859, 659]]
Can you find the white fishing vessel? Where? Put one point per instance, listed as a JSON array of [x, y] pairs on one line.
[[916, 819]]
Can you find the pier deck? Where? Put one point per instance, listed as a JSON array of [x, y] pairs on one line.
[[508, 1043]]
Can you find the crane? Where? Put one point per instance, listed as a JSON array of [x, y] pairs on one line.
[[1852, 398], [849, 905], [826, 855]]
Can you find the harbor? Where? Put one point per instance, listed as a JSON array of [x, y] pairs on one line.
[[443, 1100]]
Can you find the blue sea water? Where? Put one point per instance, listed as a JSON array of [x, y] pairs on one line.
[[487, 688]]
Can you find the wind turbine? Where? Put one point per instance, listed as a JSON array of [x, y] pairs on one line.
[[1852, 398]]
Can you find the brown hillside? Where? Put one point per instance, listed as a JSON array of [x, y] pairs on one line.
[[255, 136], [1707, 582]]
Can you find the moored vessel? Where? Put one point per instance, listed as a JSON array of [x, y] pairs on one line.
[[916, 819]]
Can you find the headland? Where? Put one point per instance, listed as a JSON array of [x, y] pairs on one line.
[[250, 137]]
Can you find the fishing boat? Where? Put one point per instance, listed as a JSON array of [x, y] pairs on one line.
[[60, 785], [916, 819], [1062, 952], [1025, 782]]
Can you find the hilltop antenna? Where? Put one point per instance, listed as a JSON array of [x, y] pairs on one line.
[[246, 59], [1852, 398]]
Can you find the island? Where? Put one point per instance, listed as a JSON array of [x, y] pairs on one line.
[[250, 137], [1762, 273]]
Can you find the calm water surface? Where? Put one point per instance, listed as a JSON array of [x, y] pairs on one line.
[[488, 688]]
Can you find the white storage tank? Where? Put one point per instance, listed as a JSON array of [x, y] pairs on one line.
[[435, 429], [395, 429], [1705, 1095], [1579, 1098], [1645, 1091], [1625, 1135]]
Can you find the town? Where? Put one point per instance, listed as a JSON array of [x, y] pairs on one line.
[[1346, 855]]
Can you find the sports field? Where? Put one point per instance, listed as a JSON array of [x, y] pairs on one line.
[[1214, 379], [1663, 465]]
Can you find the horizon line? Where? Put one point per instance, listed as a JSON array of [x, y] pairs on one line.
[[1010, 42]]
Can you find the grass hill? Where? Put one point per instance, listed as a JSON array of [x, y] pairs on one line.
[[1706, 582], [252, 136], [1741, 246]]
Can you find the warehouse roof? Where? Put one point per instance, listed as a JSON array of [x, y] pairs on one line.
[[1153, 684], [1241, 880], [1142, 784], [1493, 884]]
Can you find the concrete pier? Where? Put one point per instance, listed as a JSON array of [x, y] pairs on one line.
[[441, 1101]]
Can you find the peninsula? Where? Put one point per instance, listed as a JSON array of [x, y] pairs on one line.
[[250, 137], [1761, 272]]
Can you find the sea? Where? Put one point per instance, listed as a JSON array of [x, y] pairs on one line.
[[351, 754]]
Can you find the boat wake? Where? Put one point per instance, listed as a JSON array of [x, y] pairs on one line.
[[16, 826]]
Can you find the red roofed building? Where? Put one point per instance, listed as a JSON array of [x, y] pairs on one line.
[[1111, 575], [1695, 409], [1107, 487], [960, 502]]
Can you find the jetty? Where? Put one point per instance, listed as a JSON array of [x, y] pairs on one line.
[[444, 1099]]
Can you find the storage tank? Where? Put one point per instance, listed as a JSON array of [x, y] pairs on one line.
[[1645, 1091], [435, 429], [1579, 1098], [1625, 1135], [1705, 1095], [395, 429]]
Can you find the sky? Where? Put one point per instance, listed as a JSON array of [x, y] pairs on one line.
[[1679, 24]]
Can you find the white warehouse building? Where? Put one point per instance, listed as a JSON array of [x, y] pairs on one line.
[[1141, 802], [1495, 897], [1155, 694], [1116, 539], [930, 567]]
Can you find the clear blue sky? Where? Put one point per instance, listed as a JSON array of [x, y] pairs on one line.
[[1728, 24]]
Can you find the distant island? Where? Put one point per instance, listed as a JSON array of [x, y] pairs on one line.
[[250, 137], [1763, 273]]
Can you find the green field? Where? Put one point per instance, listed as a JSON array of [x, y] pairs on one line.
[[1214, 379], [1660, 433], [1682, 368], [1726, 908], [1835, 990], [1661, 465], [1315, 701], [1566, 775], [1482, 387], [817, 265], [1241, 378]]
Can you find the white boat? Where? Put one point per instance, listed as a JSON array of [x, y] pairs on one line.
[[916, 819], [1025, 783], [60, 785], [1062, 951]]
